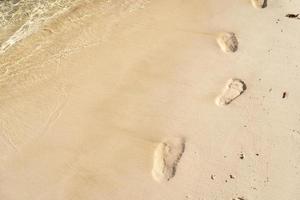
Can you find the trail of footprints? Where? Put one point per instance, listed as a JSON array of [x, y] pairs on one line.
[[168, 153]]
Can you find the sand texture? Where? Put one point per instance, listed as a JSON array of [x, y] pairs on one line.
[[150, 100]]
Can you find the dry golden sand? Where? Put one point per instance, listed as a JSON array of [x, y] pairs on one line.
[[85, 102]]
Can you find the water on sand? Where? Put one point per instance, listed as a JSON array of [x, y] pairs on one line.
[[19, 18]]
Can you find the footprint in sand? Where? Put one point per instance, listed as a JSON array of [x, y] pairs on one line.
[[259, 3], [234, 88], [228, 42], [166, 157]]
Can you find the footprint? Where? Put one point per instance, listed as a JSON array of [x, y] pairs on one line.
[[227, 42], [233, 89], [259, 3], [166, 157]]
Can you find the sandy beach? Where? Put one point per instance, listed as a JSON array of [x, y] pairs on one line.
[[149, 99]]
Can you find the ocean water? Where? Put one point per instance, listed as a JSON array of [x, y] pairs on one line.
[[20, 18]]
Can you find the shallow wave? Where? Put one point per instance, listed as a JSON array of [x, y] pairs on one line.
[[20, 18]]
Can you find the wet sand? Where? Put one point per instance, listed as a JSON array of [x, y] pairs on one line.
[[86, 100]]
